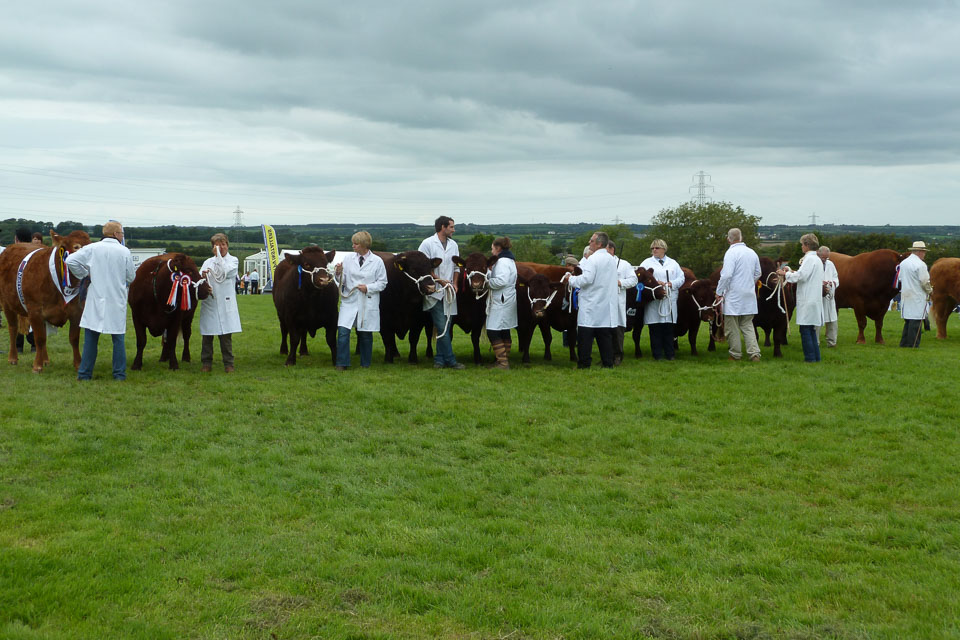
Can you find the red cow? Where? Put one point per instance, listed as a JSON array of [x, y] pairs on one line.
[[652, 291], [695, 305], [472, 299], [39, 295], [163, 299], [306, 299], [945, 278], [401, 303], [867, 286]]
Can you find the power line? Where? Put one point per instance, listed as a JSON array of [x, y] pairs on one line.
[[701, 186], [238, 217]]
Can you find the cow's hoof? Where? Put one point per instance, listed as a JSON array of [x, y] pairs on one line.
[[185, 359], [136, 366]]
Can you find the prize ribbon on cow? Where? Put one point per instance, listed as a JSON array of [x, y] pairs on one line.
[[179, 291], [62, 265]]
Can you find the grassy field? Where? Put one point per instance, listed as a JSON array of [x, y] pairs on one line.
[[692, 499]]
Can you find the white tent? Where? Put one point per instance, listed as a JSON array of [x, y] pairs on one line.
[[259, 262]]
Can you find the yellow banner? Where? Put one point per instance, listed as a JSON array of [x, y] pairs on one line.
[[270, 244]]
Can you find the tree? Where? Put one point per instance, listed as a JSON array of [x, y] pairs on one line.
[[697, 234], [629, 246], [67, 226], [526, 249], [480, 242]]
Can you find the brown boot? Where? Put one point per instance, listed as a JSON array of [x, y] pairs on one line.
[[506, 354], [500, 351]]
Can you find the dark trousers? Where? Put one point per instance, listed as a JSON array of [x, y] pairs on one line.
[[226, 349], [499, 335], [618, 344], [364, 346], [810, 341], [585, 337], [911, 333], [661, 340]]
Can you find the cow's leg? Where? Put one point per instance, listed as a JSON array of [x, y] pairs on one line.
[[295, 337], [40, 340], [779, 336], [304, 351], [186, 330], [475, 339], [524, 337], [389, 339], [547, 334], [12, 318], [766, 337], [283, 338], [414, 341], [331, 335], [943, 306], [170, 346], [637, 332], [692, 334], [75, 341], [141, 332], [878, 323], [861, 325]]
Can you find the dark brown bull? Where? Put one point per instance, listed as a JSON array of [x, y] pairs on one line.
[[306, 299], [945, 278], [866, 286], [776, 301], [472, 299], [695, 305], [652, 291], [41, 294], [401, 303], [282, 268], [153, 307]]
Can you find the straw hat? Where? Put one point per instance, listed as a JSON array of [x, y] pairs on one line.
[[918, 246]]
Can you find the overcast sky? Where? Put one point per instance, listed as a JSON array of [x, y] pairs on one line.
[[300, 111]]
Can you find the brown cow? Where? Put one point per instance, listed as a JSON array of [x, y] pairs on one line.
[[694, 305], [945, 278], [553, 272], [409, 279], [472, 299], [866, 286], [651, 291], [163, 299], [43, 301], [306, 299]]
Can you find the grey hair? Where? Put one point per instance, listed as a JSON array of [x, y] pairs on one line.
[[602, 239], [734, 235], [587, 251], [824, 250]]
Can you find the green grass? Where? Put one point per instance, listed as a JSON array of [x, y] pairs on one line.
[[693, 499]]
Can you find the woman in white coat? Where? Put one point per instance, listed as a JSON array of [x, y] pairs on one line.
[[502, 301], [219, 315], [362, 276], [809, 311], [660, 316]]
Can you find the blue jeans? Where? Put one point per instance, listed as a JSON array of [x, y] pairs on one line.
[[444, 353], [810, 343], [364, 343], [89, 356]]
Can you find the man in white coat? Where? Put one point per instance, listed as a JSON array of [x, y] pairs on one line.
[[626, 280], [219, 315], [598, 298], [809, 280], [915, 290], [110, 267], [362, 276], [737, 289], [660, 317], [831, 280], [442, 305]]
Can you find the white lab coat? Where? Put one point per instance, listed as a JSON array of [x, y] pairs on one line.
[[627, 276], [110, 267], [598, 291], [832, 278], [809, 279], [502, 308], [738, 281], [433, 248], [670, 270], [914, 280], [358, 308], [219, 315]]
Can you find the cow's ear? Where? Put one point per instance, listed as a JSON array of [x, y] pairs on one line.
[[577, 271], [457, 260], [435, 262], [295, 258], [400, 262], [492, 260], [556, 286], [330, 255]]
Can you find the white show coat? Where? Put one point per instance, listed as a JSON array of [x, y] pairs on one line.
[[502, 307], [110, 267], [669, 270], [832, 278], [627, 276], [433, 248], [219, 315], [738, 280], [914, 284], [809, 279], [358, 308], [598, 291]]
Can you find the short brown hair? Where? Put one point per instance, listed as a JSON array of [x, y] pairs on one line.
[[503, 243], [219, 237]]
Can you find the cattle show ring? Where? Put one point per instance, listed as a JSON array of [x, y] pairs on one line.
[[689, 498]]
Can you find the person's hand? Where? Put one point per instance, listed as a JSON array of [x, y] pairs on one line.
[[338, 269], [565, 277], [362, 287]]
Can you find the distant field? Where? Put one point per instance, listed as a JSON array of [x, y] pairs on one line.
[[694, 499]]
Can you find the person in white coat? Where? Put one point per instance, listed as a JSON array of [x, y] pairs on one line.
[[915, 290], [831, 280], [737, 289], [219, 315], [502, 301], [442, 305], [626, 279], [809, 280], [661, 315], [110, 267], [597, 314], [361, 277]]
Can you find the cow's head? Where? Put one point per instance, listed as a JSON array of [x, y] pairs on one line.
[[417, 269], [475, 272], [182, 263], [313, 263], [651, 288], [541, 294], [702, 293], [71, 242]]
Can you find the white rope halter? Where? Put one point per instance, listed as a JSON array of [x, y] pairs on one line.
[[546, 300], [486, 282], [449, 298]]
